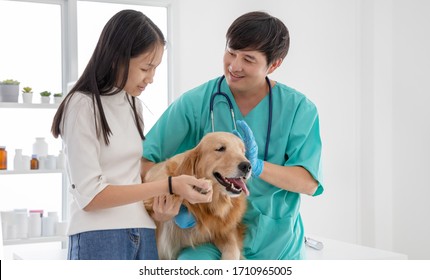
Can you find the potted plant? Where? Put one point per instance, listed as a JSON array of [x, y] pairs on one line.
[[45, 96], [58, 97], [27, 95], [9, 90]]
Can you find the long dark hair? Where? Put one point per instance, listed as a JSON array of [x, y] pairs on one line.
[[126, 35], [262, 32]]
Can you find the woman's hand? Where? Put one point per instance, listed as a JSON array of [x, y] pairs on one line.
[[166, 207], [192, 189]]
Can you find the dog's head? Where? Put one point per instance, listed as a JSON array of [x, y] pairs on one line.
[[220, 157]]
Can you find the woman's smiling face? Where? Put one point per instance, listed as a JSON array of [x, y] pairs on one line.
[[141, 70]]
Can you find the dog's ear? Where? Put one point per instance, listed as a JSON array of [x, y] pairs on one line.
[[185, 164], [188, 165]]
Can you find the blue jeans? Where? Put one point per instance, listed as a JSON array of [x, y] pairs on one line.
[[116, 244]]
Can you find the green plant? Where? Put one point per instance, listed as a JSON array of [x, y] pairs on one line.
[[9, 82], [27, 90], [45, 93], [59, 94]]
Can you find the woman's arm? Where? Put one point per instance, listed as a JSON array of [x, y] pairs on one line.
[[115, 195]]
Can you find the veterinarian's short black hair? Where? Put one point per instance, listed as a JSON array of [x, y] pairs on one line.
[[261, 32]]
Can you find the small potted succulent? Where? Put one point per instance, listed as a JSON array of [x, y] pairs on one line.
[[58, 97], [9, 90], [27, 95], [45, 97]]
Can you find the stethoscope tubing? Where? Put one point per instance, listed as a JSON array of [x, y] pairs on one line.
[[230, 105]]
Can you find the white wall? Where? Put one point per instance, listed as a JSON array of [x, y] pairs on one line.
[[365, 64], [394, 126], [411, 132]]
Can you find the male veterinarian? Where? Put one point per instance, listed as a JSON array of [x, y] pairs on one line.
[[285, 154]]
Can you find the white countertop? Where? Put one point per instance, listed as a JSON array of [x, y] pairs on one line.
[[332, 250], [339, 250]]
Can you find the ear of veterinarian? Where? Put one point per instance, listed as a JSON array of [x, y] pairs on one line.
[[284, 124]]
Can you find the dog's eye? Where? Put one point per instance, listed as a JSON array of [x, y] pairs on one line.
[[220, 149]]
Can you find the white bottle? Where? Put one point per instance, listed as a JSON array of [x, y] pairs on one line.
[[34, 225], [42, 162], [21, 222], [48, 224], [18, 164], [40, 147], [26, 162], [60, 160], [51, 162], [53, 216], [8, 222]]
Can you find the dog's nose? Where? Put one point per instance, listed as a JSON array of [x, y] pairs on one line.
[[244, 166]]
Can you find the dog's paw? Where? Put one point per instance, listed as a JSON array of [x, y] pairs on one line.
[[200, 190]]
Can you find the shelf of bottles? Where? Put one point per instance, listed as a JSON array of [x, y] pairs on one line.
[[47, 164]]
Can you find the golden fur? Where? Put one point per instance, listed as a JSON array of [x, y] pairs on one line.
[[219, 158]]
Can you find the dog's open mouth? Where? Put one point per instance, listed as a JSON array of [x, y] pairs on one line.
[[233, 185]]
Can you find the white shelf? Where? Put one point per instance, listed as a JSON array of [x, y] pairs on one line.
[[28, 106], [35, 240], [38, 254], [38, 171], [32, 242]]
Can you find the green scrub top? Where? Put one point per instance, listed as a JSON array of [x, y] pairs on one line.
[[274, 226]]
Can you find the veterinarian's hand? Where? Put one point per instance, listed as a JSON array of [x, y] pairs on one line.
[[166, 207], [192, 189], [185, 219], [251, 147]]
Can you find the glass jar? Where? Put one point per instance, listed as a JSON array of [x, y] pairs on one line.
[[34, 163], [3, 158]]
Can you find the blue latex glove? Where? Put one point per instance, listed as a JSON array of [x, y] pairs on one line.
[[251, 147], [185, 219]]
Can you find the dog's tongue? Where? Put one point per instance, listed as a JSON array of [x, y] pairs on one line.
[[238, 182]]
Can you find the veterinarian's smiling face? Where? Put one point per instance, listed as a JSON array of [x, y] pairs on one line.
[[245, 70], [142, 70]]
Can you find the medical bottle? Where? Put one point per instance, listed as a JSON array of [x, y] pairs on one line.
[[40, 147], [60, 160], [34, 224], [34, 163], [3, 158], [17, 160]]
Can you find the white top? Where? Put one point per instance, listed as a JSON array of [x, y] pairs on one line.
[[91, 165]]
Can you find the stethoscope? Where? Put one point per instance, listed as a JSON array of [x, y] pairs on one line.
[[230, 105]]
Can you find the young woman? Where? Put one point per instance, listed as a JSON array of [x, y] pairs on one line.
[[101, 125], [280, 128]]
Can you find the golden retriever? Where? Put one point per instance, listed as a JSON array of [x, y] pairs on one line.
[[220, 158]]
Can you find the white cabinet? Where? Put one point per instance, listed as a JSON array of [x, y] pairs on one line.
[[40, 189]]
